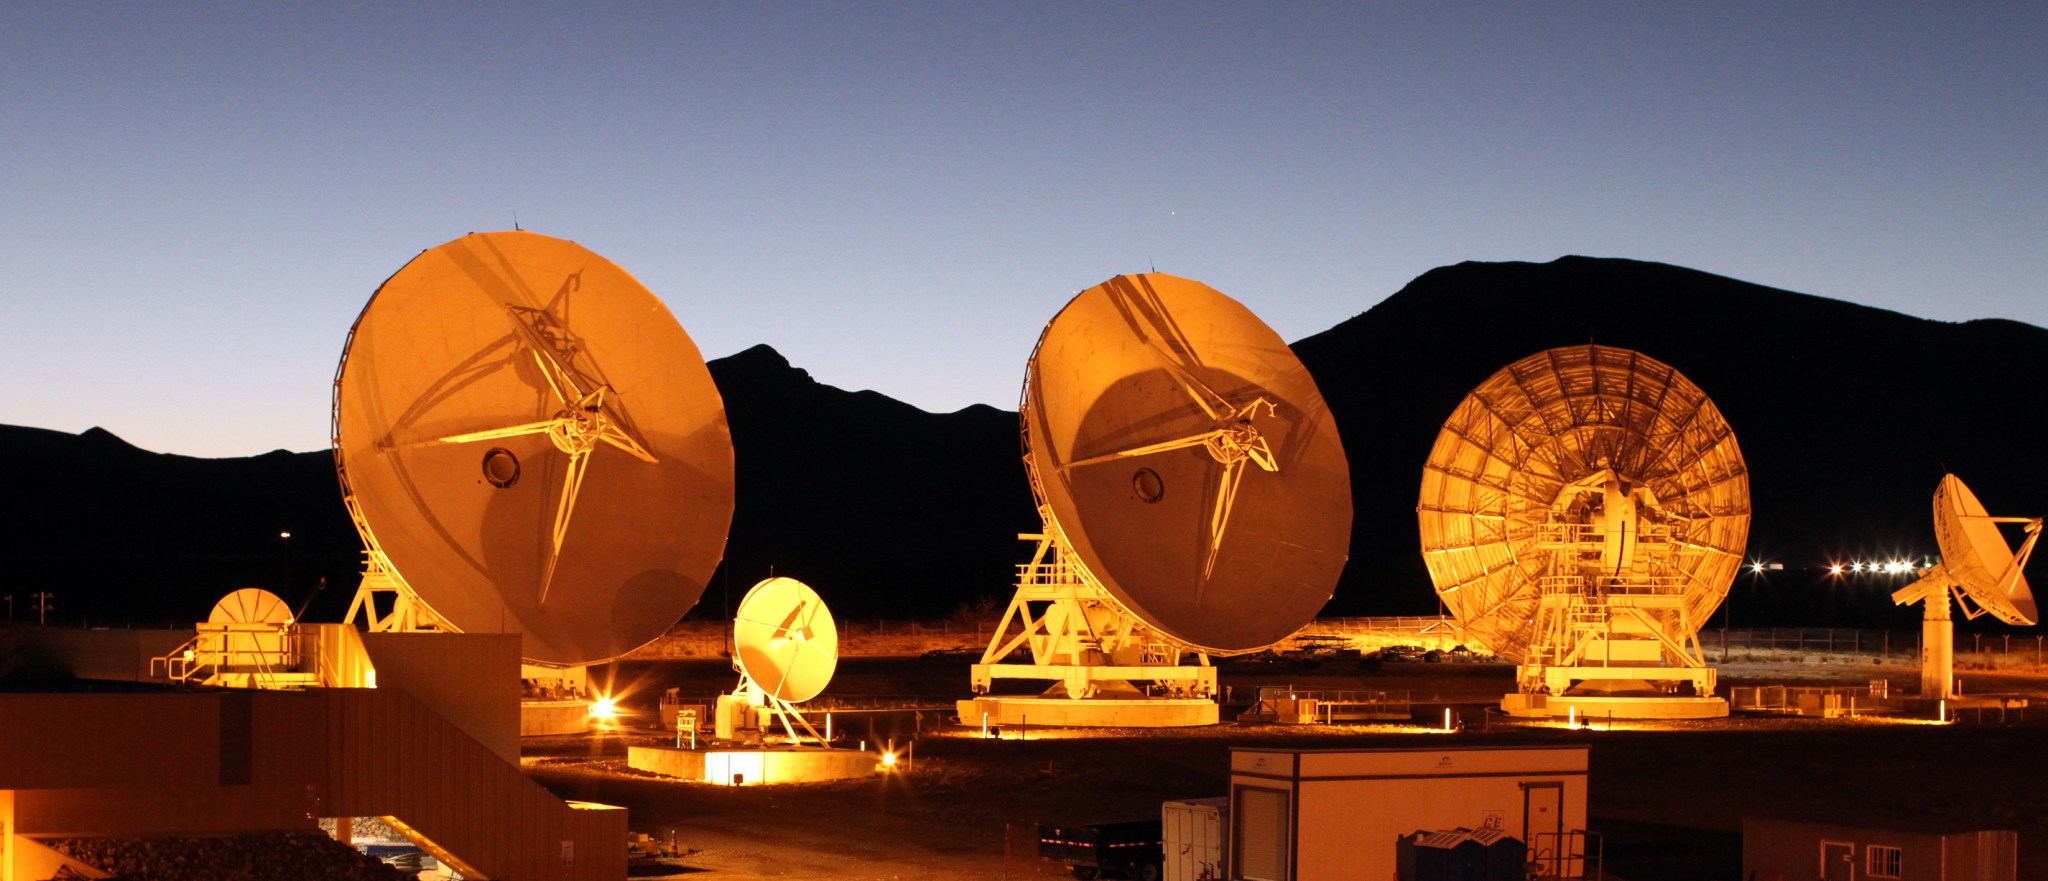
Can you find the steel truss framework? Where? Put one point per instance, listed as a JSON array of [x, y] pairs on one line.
[[1078, 636]]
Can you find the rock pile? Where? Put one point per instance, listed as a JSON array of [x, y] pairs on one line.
[[255, 856]]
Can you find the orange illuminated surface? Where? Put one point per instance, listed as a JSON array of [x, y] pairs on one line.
[[536, 446], [1187, 458]]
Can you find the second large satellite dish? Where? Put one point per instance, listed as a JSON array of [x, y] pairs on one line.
[[535, 444], [1188, 460], [1595, 435]]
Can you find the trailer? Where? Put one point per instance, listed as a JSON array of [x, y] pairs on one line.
[[1130, 849]]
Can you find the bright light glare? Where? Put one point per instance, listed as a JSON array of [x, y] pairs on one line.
[[1757, 568], [1835, 569], [888, 760], [604, 708]]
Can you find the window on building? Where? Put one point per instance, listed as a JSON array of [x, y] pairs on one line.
[[1881, 861]]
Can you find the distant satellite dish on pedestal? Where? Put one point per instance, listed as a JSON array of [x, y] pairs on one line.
[[1978, 568], [1195, 497], [785, 646], [247, 641], [529, 443], [1582, 513], [250, 605]]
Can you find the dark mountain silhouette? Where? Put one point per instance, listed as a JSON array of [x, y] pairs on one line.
[[1847, 416], [885, 509], [889, 511]]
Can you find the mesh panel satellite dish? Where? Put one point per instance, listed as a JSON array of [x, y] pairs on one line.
[[1562, 431], [250, 605], [785, 641], [535, 444], [1975, 558], [1187, 458]]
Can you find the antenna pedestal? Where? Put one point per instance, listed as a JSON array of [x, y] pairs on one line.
[[1937, 650], [748, 712], [1621, 646], [1937, 632], [1106, 668]]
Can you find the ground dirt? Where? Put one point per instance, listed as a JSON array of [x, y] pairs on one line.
[[1668, 801]]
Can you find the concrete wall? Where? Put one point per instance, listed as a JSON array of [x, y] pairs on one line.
[[60, 653], [1791, 849], [470, 679], [1344, 809]]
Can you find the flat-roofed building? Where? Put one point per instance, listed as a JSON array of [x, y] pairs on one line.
[[1324, 815]]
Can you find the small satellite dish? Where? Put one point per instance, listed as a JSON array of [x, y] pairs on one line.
[[785, 646], [250, 605], [535, 445], [1975, 558], [1187, 459], [784, 640], [1983, 572]]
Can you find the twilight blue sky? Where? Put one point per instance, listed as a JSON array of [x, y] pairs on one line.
[[196, 201]]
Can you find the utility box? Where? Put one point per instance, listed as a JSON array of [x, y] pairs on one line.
[[1195, 838], [1878, 847], [1339, 814], [1461, 855]]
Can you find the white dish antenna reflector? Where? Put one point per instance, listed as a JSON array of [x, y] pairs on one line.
[[1188, 460], [1975, 558], [785, 641], [535, 444]]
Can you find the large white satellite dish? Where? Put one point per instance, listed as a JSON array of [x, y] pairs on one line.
[[1978, 568], [1582, 513], [1194, 492], [529, 443]]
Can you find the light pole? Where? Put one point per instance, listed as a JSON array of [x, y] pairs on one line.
[[42, 598]]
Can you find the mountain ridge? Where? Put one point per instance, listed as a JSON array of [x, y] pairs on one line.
[[894, 511]]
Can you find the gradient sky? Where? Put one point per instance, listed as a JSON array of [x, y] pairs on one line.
[[196, 202]]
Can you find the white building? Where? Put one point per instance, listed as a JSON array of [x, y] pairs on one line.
[[1326, 815]]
